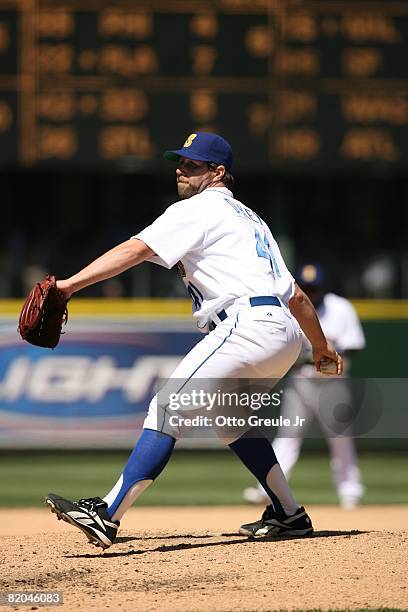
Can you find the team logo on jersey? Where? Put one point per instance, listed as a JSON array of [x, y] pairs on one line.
[[189, 140]]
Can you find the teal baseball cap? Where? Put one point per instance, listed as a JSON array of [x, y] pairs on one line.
[[204, 146]]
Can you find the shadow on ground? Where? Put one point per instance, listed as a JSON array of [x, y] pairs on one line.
[[188, 546]]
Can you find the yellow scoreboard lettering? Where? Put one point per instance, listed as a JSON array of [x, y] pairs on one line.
[[89, 79]]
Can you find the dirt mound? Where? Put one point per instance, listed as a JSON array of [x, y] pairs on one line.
[[193, 559]]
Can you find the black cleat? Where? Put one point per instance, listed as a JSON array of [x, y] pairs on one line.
[[273, 523], [89, 515]]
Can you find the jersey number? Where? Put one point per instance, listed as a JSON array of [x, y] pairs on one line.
[[264, 249]]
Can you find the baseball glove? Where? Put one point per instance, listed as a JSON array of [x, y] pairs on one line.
[[43, 314]]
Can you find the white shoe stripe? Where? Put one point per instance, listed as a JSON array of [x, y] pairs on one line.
[[101, 536], [76, 515], [287, 521], [100, 521], [276, 523], [84, 521], [80, 516], [290, 519]]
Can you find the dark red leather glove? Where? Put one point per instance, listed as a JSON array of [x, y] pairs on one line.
[[43, 314]]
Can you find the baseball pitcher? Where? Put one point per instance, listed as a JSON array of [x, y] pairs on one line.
[[250, 308]]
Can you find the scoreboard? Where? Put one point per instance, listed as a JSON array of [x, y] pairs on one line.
[[96, 83]]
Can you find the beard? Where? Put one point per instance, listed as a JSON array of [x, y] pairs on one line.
[[185, 190]]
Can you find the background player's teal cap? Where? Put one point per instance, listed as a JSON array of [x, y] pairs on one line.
[[204, 146]]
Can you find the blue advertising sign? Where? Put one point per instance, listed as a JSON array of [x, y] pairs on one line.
[[92, 390]]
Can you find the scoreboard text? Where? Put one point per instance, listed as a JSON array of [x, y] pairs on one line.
[[286, 81]]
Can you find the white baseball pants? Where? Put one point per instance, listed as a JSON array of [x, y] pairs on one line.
[[253, 342]]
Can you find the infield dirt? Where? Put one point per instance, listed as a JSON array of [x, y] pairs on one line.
[[192, 559]]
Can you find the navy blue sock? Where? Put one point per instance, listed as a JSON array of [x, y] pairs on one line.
[[148, 459], [259, 457]]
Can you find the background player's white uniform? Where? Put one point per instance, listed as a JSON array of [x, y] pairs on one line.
[[226, 254], [342, 328]]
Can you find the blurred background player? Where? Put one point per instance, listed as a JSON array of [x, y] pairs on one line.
[[302, 397]]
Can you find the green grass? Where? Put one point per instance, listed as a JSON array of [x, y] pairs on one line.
[[195, 477]]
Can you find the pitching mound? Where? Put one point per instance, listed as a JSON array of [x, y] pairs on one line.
[[193, 559]]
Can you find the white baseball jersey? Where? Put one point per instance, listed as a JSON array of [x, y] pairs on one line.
[[341, 327], [223, 249]]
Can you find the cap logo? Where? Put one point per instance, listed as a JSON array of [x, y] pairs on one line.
[[189, 140], [309, 273]]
